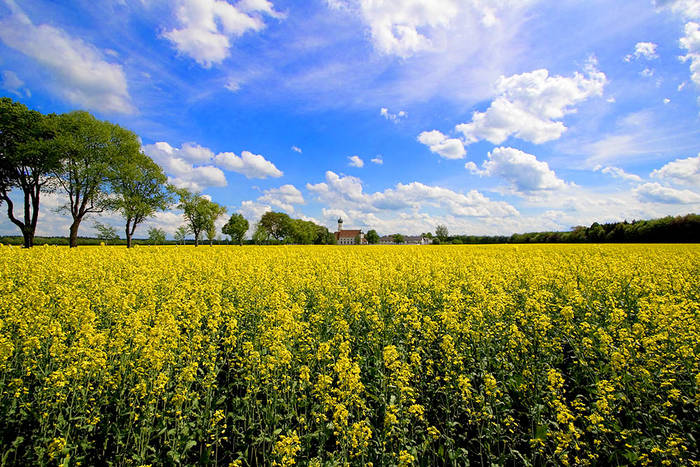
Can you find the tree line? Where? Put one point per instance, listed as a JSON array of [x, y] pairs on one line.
[[670, 229], [98, 166]]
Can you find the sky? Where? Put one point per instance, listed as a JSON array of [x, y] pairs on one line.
[[489, 117]]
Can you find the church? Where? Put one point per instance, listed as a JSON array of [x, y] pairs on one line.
[[349, 237]]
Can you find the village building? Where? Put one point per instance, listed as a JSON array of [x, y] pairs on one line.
[[408, 240], [349, 237]]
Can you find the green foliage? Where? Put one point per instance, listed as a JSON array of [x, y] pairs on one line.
[[181, 233], [27, 162], [105, 232], [200, 213], [156, 236], [398, 238], [236, 227], [372, 237], [277, 225], [138, 189], [280, 227], [442, 233]]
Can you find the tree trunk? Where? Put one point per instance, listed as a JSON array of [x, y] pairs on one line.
[[128, 233], [196, 239], [74, 233], [28, 238]]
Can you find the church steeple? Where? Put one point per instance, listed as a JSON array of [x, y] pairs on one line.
[[340, 224]]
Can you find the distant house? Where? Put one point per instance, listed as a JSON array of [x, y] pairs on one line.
[[349, 237], [408, 240]]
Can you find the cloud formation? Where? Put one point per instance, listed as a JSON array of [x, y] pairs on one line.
[[80, 73], [645, 50], [178, 164], [681, 172], [208, 26], [448, 148], [356, 161], [657, 193], [531, 106], [525, 173]]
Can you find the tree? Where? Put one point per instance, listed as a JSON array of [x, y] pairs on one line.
[[181, 234], [138, 190], [260, 235], [442, 233], [211, 234], [200, 213], [89, 149], [156, 236], [27, 162], [276, 224], [236, 227], [105, 232], [398, 238], [372, 237]]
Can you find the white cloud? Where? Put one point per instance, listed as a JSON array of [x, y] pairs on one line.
[[656, 193], [645, 50], [355, 161], [249, 164], [80, 74], [296, 149], [617, 172], [178, 165], [667, 100], [378, 160], [346, 192], [449, 148], [531, 106], [647, 73], [384, 112], [208, 26], [284, 197], [406, 27], [689, 9], [12, 83], [522, 170], [681, 171], [691, 43]]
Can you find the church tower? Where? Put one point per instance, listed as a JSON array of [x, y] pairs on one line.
[[340, 224]]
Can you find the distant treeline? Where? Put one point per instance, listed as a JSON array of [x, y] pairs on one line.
[[87, 241], [680, 229]]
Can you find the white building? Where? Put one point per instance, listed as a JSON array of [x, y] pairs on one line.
[[349, 237]]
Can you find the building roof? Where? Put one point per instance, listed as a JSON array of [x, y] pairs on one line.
[[348, 233]]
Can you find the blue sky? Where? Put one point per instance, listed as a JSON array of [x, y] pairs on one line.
[[491, 117]]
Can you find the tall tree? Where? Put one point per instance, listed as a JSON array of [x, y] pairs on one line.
[[27, 162], [236, 227], [89, 149], [276, 224], [138, 188], [156, 236], [200, 213], [442, 233], [105, 232], [372, 237], [181, 234]]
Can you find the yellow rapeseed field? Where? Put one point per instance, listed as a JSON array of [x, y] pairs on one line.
[[387, 355]]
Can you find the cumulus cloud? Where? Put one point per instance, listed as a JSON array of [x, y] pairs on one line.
[[356, 161], [617, 172], [531, 106], [346, 192], [178, 165], [208, 26], [80, 73], [378, 160], [681, 172], [448, 148], [384, 112], [296, 149], [657, 193], [522, 170], [404, 28], [284, 197], [645, 50], [249, 164]]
